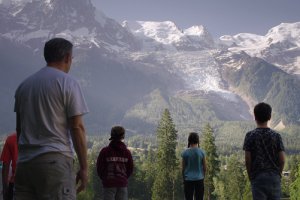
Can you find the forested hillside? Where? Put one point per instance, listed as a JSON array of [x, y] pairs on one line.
[[131, 74], [157, 163], [261, 81], [109, 87]]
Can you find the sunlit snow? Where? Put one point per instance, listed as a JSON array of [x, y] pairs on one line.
[[179, 51], [198, 69], [156, 34]]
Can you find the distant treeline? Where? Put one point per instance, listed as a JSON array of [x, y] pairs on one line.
[[227, 180]]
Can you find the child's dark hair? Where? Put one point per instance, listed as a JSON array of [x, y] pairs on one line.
[[262, 112], [193, 139], [117, 132]]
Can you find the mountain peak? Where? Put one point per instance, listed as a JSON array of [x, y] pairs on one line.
[[196, 29], [33, 22], [156, 36], [201, 36]]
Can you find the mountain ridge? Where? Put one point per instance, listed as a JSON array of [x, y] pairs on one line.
[[27, 21], [111, 59], [76, 20]]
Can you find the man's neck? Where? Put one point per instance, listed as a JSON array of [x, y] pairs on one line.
[[262, 125], [193, 146], [58, 66]]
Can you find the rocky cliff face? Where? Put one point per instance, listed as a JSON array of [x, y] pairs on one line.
[[185, 61], [34, 22]]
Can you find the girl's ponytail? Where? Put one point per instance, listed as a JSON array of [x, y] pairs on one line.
[[193, 139]]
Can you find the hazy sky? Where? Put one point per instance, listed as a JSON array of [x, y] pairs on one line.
[[220, 17]]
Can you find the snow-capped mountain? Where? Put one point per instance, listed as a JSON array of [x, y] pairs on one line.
[[281, 46], [166, 36], [192, 54], [34, 21], [200, 37]]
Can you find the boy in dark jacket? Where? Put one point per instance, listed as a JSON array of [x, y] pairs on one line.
[[264, 156], [115, 166]]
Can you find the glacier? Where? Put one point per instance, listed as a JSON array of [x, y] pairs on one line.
[[198, 69], [197, 66], [189, 53]]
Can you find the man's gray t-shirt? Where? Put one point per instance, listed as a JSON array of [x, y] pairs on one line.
[[45, 101]]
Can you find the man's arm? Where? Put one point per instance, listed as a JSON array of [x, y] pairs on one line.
[[18, 126], [281, 161], [77, 132], [248, 163], [5, 173], [204, 166]]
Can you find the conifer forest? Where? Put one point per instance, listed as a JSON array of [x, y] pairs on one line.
[[157, 167]]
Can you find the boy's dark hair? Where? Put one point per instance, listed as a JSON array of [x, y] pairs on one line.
[[117, 132], [56, 48], [262, 112], [193, 139]]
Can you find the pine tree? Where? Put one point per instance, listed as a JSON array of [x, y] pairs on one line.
[[149, 177], [219, 183], [219, 189], [142, 144], [285, 187], [212, 160], [247, 192], [293, 168], [295, 186], [235, 179], [165, 158], [179, 190], [94, 178], [136, 184]]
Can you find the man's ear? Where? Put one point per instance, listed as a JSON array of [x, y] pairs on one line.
[[67, 58]]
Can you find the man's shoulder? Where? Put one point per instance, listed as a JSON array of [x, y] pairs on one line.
[[274, 132], [47, 74], [27, 79], [268, 132], [251, 133], [55, 76], [58, 74]]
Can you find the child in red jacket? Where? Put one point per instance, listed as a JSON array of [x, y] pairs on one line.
[[115, 166]]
